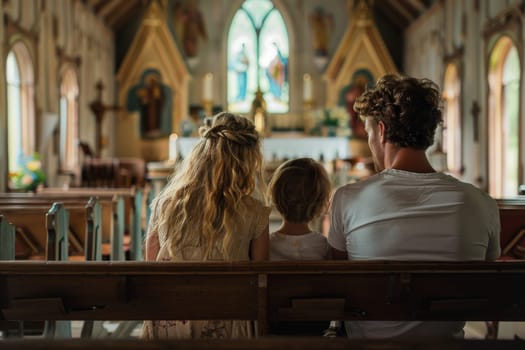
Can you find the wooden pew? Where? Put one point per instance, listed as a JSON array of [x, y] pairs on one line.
[[512, 219], [57, 228], [132, 206], [110, 219], [33, 229], [265, 344], [7, 239], [266, 291]]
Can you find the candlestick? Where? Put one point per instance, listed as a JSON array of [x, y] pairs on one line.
[[307, 88], [207, 89], [172, 154]]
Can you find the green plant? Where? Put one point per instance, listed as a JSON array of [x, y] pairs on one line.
[[29, 174]]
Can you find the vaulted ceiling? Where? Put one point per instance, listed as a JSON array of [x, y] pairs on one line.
[[117, 12]]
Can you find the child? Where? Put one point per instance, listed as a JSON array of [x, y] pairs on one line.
[[207, 212], [300, 190]]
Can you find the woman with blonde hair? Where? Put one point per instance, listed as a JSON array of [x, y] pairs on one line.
[[207, 212]]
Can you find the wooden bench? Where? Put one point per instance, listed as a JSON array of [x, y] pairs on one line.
[[7, 239], [57, 224], [309, 343], [512, 219], [132, 209], [111, 217], [267, 291], [33, 228]]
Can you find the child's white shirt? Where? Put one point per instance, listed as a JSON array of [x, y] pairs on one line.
[[310, 246]]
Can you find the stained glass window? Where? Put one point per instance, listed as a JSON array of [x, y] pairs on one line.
[[258, 51]]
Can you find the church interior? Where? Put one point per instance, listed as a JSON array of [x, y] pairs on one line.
[[102, 94], [88, 75]]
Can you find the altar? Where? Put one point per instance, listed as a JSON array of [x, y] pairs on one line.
[[281, 147]]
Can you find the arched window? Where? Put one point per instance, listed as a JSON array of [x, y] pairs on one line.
[[68, 121], [258, 51], [452, 119], [504, 84], [20, 105]]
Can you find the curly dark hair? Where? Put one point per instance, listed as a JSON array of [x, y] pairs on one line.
[[410, 108]]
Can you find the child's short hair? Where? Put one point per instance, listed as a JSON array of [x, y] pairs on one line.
[[300, 189]]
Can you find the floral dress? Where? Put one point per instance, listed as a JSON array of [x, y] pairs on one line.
[[252, 219]]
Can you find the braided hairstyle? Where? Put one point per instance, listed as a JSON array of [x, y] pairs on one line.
[[200, 204], [410, 108]]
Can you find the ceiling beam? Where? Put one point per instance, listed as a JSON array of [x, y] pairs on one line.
[[418, 5], [93, 3], [109, 7], [127, 7], [390, 14], [397, 5]]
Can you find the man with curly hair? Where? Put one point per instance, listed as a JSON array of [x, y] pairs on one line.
[[408, 211]]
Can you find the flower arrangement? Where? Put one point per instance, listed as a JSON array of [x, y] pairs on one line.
[[29, 174], [337, 116], [336, 119]]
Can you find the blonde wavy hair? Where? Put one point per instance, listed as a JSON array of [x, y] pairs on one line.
[[200, 204]]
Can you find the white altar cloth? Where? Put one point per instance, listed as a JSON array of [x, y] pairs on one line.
[[328, 148]]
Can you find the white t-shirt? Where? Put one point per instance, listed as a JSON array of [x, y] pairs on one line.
[[399, 215], [310, 246]]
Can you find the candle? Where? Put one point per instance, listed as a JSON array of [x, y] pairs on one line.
[[172, 154], [207, 90], [258, 120], [307, 88]]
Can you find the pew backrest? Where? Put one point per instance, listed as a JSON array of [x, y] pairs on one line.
[[512, 220], [7, 239], [93, 247], [133, 203], [32, 230], [266, 292], [109, 219], [57, 225]]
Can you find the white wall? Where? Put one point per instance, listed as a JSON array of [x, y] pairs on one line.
[[439, 34], [78, 34]]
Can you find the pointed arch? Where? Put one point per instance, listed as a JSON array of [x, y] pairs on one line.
[[504, 78], [20, 80], [68, 120], [258, 50], [452, 140]]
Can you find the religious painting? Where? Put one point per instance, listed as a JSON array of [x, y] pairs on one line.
[[189, 26], [258, 50], [153, 100], [361, 79], [322, 25]]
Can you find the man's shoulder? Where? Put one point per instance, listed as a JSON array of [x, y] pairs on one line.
[[472, 190]]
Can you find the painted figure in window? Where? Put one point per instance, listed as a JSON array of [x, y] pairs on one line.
[[277, 72], [153, 101], [322, 25], [189, 26], [240, 66]]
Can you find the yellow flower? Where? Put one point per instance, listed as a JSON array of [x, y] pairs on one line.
[[33, 165]]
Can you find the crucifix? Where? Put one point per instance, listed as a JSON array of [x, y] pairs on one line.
[[98, 108], [475, 110]]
